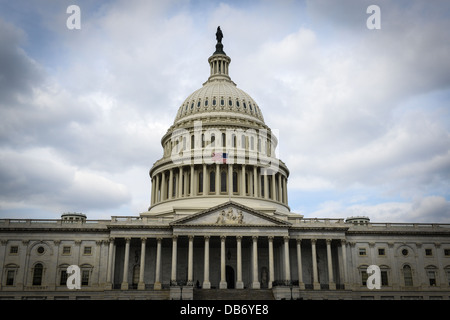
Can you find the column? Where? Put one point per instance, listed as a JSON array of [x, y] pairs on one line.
[[110, 264], [271, 264], [239, 283], [173, 277], [299, 264], [255, 181], [285, 191], [287, 267], [217, 179], [205, 181], [266, 185], [163, 186], [331, 283], [180, 183], [192, 181], [186, 183], [170, 183], [316, 283], [191, 261], [157, 285], [250, 182], [223, 280], [255, 284], [152, 201], [141, 284], [206, 283], [243, 180], [158, 191], [274, 190], [344, 261], [124, 285]]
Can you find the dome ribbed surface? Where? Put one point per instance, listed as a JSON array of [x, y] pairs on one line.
[[219, 96]]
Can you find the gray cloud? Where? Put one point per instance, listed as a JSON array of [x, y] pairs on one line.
[[352, 96]]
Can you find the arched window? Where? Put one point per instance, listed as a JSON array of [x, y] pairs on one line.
[[192, 142], [224, 140], [37, 274], [213, 140], [212, 181], [407, 276]]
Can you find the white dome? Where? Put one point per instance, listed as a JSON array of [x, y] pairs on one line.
[[218, 96]]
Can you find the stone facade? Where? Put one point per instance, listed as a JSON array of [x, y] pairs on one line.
[[219, 218], [292, 256]]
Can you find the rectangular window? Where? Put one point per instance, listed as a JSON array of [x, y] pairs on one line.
[[87, 250], [407, 275], [85, 277], [432, 277], [384, 278], [447, 252], [381, 252], [63, 279], [14, 250], [428, 252], [364, 277], [66, 250], [10, 277], [362, 251], [37, 274]]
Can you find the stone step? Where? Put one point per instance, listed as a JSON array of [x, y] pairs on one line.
[[233, 294]]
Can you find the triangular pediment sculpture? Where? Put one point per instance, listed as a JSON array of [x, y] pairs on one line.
[[230, 214]]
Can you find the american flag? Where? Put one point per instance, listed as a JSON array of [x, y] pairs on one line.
[[219, 157]]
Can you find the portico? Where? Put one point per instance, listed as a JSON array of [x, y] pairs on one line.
[[227, 247]]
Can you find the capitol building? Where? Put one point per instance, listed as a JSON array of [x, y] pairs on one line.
[[219, 226]]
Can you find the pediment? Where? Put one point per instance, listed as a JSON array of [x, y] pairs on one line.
[[230, 214]]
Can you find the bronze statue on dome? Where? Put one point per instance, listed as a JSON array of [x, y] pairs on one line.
[[219, 35]]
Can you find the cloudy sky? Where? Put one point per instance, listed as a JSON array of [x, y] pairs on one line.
[[363, 115]]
